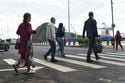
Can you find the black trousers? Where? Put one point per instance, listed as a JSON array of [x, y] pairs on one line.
[[118, 43], [52, 49], [90, 48]]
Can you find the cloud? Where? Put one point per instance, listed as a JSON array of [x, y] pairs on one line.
[[11, 12]]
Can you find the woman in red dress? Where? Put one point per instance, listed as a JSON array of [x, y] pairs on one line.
[[24, 31]]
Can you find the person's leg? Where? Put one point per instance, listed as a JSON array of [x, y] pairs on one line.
[[29, 61], [53, 45], [89, 50], [19, 63], [96, 55], [49, 51], [59, 43], [120, 45], [16, 66], [62, 46], [62, 40], [116, 45], [95, 52]]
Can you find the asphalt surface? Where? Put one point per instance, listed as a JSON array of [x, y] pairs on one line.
[[109, 69]]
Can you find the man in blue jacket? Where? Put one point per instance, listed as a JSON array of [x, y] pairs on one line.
[[91, 29]]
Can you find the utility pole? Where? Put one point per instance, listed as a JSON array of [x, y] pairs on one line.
[[69, 21], [113, 25]]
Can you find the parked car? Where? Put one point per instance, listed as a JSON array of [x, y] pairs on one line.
[[4, 45]]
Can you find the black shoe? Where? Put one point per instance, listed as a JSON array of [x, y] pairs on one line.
[[53, 61], [63, 55], [89, 61], [45, 57], [97, 58]]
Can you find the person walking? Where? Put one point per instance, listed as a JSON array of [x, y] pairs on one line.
[[51, 37], [60, 38], [118, 40], [90, 26], [25, 48], [113, 42]]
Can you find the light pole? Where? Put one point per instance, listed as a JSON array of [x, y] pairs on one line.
[[113, 25], [69, 21]]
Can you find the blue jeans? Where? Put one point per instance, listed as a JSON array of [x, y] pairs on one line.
[[52, 49], [61, 45]]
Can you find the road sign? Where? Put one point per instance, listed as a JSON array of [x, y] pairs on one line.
[[113, 25]]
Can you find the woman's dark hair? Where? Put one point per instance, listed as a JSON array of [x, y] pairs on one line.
[[118, 32], [60, 25], [26, 16]]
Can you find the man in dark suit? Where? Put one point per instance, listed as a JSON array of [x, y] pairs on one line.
[[91, 29]]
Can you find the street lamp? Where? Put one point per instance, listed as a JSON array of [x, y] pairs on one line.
[[113, 25], [69, 21]]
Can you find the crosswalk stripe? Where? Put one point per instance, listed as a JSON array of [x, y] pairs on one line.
[[54, 66], [117, 56], [103, 61], [110, 56], [123, 54], [118, 59], [10, 61], [36, 68], [95, 66]]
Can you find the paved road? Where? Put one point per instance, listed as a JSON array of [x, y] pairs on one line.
[[72, 69]]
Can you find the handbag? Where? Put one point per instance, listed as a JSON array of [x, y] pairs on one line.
[[17, 45], [98, 46]]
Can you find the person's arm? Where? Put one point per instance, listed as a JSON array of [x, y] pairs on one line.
[[53, 33], [63, 31], [84, 28], [95, 26], [18, 31], [29, 29]]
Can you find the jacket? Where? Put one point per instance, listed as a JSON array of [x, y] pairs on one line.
[[118, 37], [60, 32], [90, 27], [51, 32]]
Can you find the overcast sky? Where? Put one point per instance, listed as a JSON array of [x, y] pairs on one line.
[[11, 13]]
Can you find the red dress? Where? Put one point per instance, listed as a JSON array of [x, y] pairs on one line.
[[24, 30]]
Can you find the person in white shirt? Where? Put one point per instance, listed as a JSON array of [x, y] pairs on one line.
[[51, 37]]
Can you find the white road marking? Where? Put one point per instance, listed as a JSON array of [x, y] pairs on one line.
[[105, 80], [123, 54], [91, 65], [10, 61], [118, 59], [36, 68], [103, 61], [117, 56], [54, 66]]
